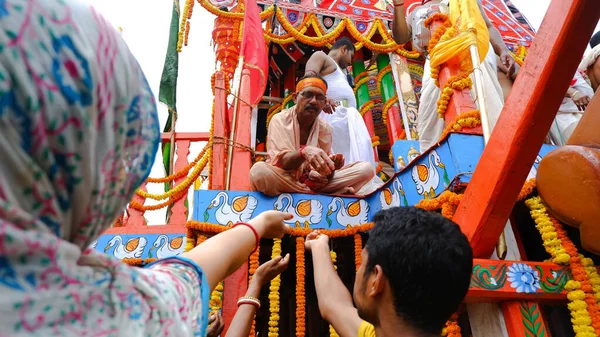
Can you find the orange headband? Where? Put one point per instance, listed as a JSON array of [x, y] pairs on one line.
[[311, 82]]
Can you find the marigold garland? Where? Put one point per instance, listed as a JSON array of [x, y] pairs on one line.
[[252, 266], [446, 202], [357, 250], [333, 255], [359, 84], [467, 120], [386, 108], [136, 261], [527, 189], [583, 305], [216, 298], [184, 185], [452, 329], [274, 294], [458, 82], [366, 107], [300, 288], [182, 26], [375, 141]]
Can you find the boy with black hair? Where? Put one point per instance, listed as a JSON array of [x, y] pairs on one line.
[[398, 290]]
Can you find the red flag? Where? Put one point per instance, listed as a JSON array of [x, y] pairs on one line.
[[254, 51]]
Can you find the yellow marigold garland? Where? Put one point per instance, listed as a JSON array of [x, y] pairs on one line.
[[300, 288], [446, 202], [467, 120], [359, 83], [252, 266], [332, 332], [274, 295], [216, 298], [189, 4], [184, 185], [583, 305], [458, 82], [366, 107], [437, 37], [543, 223]]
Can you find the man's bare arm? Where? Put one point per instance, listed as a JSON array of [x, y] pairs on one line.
[[315, 64], [335, 301], [400, 28], [291, 160]]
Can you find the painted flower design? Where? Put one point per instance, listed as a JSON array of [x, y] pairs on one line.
[[72, 71], [523, 278]]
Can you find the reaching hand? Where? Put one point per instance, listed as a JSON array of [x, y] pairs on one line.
[[338, 160], [507, 64], [270, 224], [314, 238], [270, 269], [329, 106], [580, 100], [215, 325], [318, 160]]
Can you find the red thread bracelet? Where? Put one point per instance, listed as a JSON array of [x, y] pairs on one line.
[[398, 5], [253, 231], [302, 149]]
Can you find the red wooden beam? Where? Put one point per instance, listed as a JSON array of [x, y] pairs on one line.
[[220, 133], [191, 136], [525, 121], [237, 283]]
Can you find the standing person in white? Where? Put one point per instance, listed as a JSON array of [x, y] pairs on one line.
[[429, 125], [350, 135]]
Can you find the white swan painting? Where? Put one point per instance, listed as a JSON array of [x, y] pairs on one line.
[[165, 248], [427, 177], [240, 209], [356, 213], [93, 244], [133, 248], [390, 197], [306, 212]]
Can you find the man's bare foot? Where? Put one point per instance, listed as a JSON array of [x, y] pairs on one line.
[[348, 190]]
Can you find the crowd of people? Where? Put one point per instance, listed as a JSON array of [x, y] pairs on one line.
[[80, 133]]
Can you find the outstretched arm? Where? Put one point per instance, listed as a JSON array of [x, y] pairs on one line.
[[218, 258], [506, 59], [335, 301], [242, 321], [400, 28]]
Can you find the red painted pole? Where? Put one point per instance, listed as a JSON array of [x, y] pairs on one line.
[[525, 121], [237, 283]]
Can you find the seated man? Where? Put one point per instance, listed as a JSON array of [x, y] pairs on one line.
[[394, 291], [591, 62], [299, 150]]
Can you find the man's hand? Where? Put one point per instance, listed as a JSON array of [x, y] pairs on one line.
[[580, 100], [338, 160], [314, 238], [270, 224], [215, 325], [318, 160], [270, 269], [507, 64], [329, 106]]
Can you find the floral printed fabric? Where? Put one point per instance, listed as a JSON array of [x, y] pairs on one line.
[[78, 133]]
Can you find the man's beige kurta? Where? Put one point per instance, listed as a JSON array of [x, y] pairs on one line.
[[284, 137]]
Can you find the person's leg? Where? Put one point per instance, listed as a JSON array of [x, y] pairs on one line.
[[350, 179], [272, 180]]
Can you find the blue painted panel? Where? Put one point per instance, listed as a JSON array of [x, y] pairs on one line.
[[400, 152], [140, 246]]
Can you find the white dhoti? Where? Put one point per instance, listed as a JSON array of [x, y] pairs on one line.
[[568, 114], [430, 126]]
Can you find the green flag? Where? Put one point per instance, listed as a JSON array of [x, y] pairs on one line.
[[167, 93]]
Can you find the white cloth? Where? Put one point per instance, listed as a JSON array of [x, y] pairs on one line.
[[350, 135], [430, 126], [568, 115], [589, 59]]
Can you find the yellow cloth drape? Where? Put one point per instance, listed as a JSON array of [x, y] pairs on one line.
[[470, 28]]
